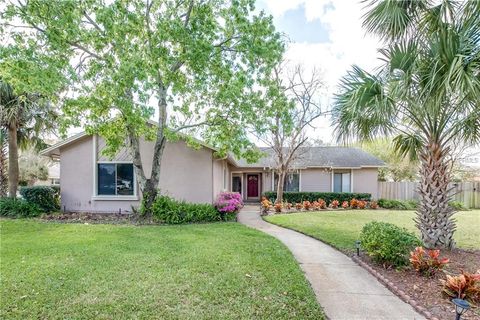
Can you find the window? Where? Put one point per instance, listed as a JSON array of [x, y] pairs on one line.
[[237, 184], [291, 183], [341, 182], [115, 179]]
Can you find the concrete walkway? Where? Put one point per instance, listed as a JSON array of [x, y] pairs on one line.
[[345, 290]]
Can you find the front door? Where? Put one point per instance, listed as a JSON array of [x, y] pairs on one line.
[[252, 186]]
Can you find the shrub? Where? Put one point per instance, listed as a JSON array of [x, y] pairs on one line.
[[298, 206], [316, 205], [388, 244], [464, 286], [361, 204], [229, 202], [265, 205], [18, 208], [322, 204], [307, 205], [334, 204], [345, 204], [287, 205], [278, 207], [398, 204], [171, 211], [353, 203], [457, 205], [427, 262], [43, 196], [373, 205], [297, 197]]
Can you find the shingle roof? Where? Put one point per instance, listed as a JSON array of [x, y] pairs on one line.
[[335, 157]]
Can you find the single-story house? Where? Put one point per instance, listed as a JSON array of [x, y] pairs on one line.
[[91, 182]]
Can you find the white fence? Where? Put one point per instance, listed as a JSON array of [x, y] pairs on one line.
[[466, 192]]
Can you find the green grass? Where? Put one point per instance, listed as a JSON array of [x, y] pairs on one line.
[[342, 228], [77, 271]]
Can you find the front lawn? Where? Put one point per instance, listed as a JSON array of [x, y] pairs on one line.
[[341, 228], [80, 271]]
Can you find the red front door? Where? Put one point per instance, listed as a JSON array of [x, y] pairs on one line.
[[252, 186]]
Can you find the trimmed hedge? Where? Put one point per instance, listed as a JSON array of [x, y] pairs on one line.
[[18, 208], [296, 197], [171, 211], [388, 244], [46, 198], [398, 204]]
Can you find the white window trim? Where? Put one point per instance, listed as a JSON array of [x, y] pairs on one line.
[[351, 180], [299, 180], [237, 174], [95, 195]]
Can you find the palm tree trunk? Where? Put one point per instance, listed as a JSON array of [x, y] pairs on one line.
[[434, 215], [3, 164], [12, 160]]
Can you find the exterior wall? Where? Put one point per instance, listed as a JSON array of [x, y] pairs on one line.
[[186, 174], [316, 180], [366, 180], [218, 171]]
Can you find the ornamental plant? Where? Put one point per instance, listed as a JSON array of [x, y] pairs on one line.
[[427, 262], [298, 206], [307, 205], [373, 205], [334, 204], [322, 204], [278, 207], [464, 286], [265, 205], [345, 204], [229, 202], [353, 203], [287, 205], [315, 205], [361, 204]]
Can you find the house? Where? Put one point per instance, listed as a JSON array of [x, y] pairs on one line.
[[91, 182]]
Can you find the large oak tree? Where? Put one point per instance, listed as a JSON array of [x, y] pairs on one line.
[[193, 65]]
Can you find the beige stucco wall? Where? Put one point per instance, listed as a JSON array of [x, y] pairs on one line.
[[366, 180], [316, 180], [187, 174]]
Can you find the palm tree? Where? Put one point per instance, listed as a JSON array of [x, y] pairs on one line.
[[3, 163], [426, 95], [24, 117]]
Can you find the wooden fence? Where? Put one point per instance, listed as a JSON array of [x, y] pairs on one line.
[[466, 192]]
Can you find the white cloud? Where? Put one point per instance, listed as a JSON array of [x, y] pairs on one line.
[[349, 44]]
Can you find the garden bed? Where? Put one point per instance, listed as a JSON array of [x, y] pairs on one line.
[[89, 217], [427, 292]]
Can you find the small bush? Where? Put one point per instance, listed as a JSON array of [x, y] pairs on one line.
[[229, 202], [457, 205], [388, 244], [345, 204], [427, 262], [18, 208], [373, 205], [300, 197], [170, 211], [398, 204], [334, 204], [265, 205], [43, 196], [278, 207], [464, 286]]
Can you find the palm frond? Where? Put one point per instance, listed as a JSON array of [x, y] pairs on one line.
[[408, 145]]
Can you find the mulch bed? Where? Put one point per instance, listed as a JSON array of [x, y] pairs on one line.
[[88, 217], [427, 292]]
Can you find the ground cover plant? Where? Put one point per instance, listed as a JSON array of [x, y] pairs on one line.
[[84, 271]]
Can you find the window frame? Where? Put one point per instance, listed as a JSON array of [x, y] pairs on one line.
[[274, 184], [350, 174], [97, 196]]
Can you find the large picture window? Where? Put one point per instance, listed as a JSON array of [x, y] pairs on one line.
[[341, 182], [115, 179], [291, 183]]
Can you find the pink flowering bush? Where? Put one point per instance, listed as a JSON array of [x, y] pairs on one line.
[[228, 202]]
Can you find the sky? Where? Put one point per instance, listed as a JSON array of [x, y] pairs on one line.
[[327, 35]]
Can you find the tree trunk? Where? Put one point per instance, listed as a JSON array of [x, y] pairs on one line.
[[3, 164], [434, 215], [280, 184], [12, 160]]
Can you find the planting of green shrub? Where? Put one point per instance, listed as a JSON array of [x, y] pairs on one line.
[[388, 244], [18, 208], [171, 211], [457, 205], [398, 204], [328, 197], [43, 196]]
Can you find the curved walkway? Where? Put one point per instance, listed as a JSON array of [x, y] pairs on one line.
[[344, 289]]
